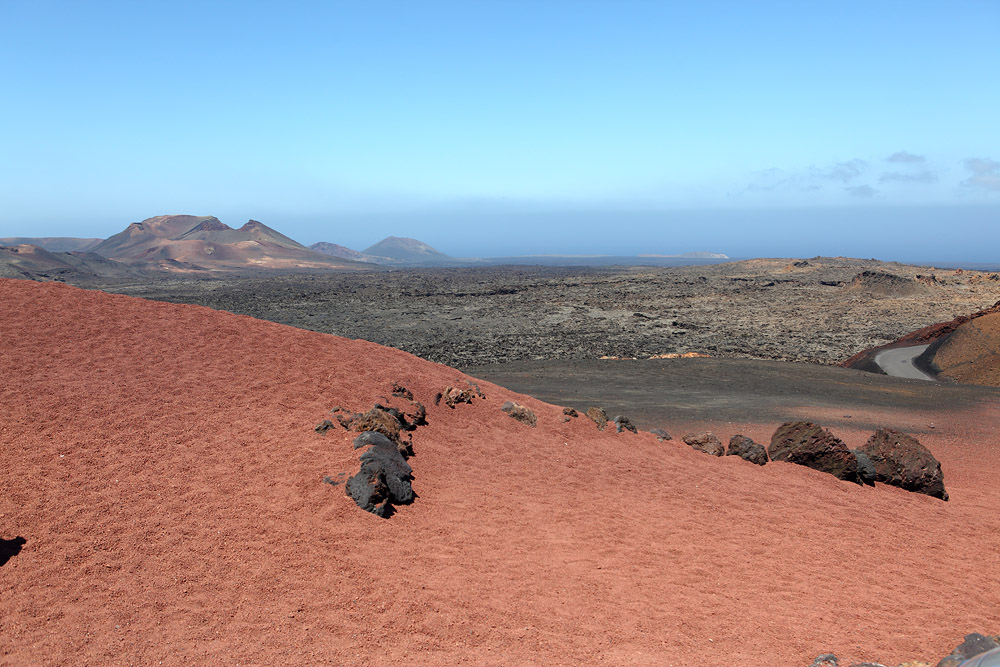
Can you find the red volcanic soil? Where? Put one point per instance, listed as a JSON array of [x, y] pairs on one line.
[[161, 464]]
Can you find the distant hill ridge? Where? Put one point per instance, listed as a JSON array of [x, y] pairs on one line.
[[53, 243], [193, 243], [405, 249]]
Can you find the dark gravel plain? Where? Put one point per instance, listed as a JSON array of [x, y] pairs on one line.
[[778, 309]]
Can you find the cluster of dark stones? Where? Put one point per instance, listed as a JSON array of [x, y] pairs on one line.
[[739, 445], [621, 423], [385, 434], [889, 456], [974, 645]]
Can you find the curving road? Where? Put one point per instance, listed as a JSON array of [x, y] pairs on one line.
[[898, 362]]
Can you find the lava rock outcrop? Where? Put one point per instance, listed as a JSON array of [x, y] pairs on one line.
[[747, 449], [813, 446], [705, 442], [900, 460]]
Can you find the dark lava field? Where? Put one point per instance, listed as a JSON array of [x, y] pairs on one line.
[[819, 310]]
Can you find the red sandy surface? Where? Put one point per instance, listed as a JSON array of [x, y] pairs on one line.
[[160, 461]]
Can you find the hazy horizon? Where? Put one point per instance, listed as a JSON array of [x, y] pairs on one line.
[[493, 129]]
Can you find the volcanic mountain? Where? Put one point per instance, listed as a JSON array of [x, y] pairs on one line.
[[408, 251], [343, 252], [163, 498], [207, 243]]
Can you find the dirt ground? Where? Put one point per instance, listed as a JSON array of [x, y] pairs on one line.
[[160, 464]]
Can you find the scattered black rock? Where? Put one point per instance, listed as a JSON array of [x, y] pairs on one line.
[[437, 398], [813, 446], [973, 645], [344, 417], [705, 442], [661, 434], [323, 426], [747, 449], [385, 476], [866, 469], [623, 424], [598, 416], [401, 391], [826, 659], [417, 416], [520, 413], [900, 460]]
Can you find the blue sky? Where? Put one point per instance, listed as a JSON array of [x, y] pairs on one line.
[[508, 127]]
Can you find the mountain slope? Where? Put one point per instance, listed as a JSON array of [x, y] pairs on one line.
[[29, 261], [161, 466], [343, 252], [406, 250], [218, 232], [53, 243]]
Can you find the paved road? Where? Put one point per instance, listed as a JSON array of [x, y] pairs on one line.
[[898, 362]]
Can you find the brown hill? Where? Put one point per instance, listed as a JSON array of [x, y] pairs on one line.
[[218, 232], [407, 250], [207, 243], [54, 243], [29, 261], [971, 353], [880, 283], [160, 464], [335, 250]]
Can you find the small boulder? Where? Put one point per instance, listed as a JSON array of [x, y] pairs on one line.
[[453, 396], [401, 391], [570, 412], [344, 417], [900, 460], [520, 413], [705, 442], [623, 424], [866, 469], [825, 660], [973, 645], [323, 426], [378, 419], [599, 417], [384, 478], [747, 449], [813, 446], [661, 434]]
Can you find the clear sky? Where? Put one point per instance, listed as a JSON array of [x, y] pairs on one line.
[[492, 127]]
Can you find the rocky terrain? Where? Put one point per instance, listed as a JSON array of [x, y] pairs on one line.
[[820, 310]]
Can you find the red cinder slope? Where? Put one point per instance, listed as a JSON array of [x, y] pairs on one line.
[[160, 462]]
